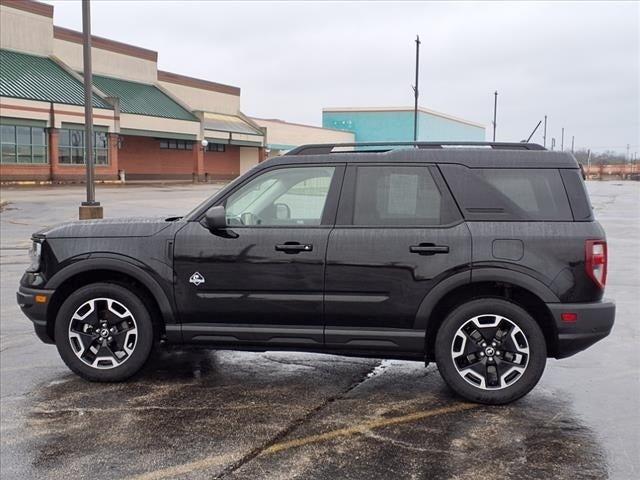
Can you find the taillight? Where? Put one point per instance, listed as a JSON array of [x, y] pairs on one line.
[[596, 261]]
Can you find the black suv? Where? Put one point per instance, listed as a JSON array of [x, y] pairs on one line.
[[483, 257]]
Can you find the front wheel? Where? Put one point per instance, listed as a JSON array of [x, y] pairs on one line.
[[490, 351], [104, 332]]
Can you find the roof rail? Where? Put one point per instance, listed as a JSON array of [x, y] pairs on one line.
[[324, 148]]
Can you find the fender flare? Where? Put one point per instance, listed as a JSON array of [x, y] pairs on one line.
[[478, 275], [436, 294], [122, 265]]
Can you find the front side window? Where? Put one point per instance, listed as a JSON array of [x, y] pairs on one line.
[[282, 197], [71, 147], [23, 144], [389, 195]]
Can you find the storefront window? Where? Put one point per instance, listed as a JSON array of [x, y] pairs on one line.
[[176, 145], [23, 144], [215, 147], [71, 149]]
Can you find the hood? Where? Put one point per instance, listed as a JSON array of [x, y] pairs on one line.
[[113, 227]]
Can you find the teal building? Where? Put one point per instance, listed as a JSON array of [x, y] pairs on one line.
[[395, 124]]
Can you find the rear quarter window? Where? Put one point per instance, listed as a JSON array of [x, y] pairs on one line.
[[578, 196], [509, 194]]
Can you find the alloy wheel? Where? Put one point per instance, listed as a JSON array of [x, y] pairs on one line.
[[490, 352], [103, 333]]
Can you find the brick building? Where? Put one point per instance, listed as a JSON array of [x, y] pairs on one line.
[[148, 123]]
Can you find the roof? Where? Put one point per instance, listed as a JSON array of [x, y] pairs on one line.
[[38, 8], [473, 157], [228, 123], [401, 109], [142, 99], [40, 78], [178, 79], [74, 36]]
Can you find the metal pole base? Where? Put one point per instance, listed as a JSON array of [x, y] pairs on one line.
[[90, 212]]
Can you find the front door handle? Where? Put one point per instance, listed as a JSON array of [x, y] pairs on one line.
[[428, 249], [294, 247]]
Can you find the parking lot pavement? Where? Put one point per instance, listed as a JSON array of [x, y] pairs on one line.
[[194, 413]]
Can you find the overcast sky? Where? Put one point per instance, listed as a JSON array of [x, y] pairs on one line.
[[577, 62]]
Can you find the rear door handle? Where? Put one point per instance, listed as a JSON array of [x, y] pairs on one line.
[[429, 249], [294, 247]]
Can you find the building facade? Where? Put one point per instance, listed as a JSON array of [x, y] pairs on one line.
[[396, 124], [282, 136], [149, 124]]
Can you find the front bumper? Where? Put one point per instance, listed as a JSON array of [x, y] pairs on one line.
[[594, 322], [36, 312]]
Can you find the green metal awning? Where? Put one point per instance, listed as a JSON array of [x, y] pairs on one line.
[[228, 123], [39, 78], [142, 99]]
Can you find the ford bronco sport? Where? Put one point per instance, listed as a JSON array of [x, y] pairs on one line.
[[484, 257]]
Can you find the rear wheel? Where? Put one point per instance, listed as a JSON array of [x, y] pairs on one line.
[[104, 332], [490, 351]]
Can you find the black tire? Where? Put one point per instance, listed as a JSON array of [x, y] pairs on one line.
[[142, 345], [444, 352]]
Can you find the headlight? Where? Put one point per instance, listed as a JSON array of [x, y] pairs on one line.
[[34, 256]]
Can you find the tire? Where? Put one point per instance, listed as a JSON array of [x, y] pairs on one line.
[[104, 320], [501, 365]]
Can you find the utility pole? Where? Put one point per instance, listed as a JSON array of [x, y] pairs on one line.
[[628, 154], [544, 135], [495, 112], [562, 141], [415, 91], [90, 208], [573, 139], [553, 143]]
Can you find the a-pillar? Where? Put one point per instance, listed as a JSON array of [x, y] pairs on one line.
[[198, 162], [54, 165]]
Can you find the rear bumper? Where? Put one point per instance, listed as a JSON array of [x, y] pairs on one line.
[[594, 322], [36, 312]]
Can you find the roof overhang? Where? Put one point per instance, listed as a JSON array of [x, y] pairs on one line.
[[401, 109], [231, 130], [158, 134]]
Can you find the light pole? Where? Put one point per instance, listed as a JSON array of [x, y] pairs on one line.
[[415, 91], [90, 208], [495, 112]]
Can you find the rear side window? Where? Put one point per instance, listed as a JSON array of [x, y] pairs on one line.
[[397, 195], [509, 194]]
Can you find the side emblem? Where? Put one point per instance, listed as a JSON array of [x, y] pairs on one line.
[[196, 279]]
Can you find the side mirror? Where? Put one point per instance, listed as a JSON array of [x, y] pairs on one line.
[[216, 218], [283, 212]]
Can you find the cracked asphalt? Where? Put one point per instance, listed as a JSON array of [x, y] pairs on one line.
[[195, 413]]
